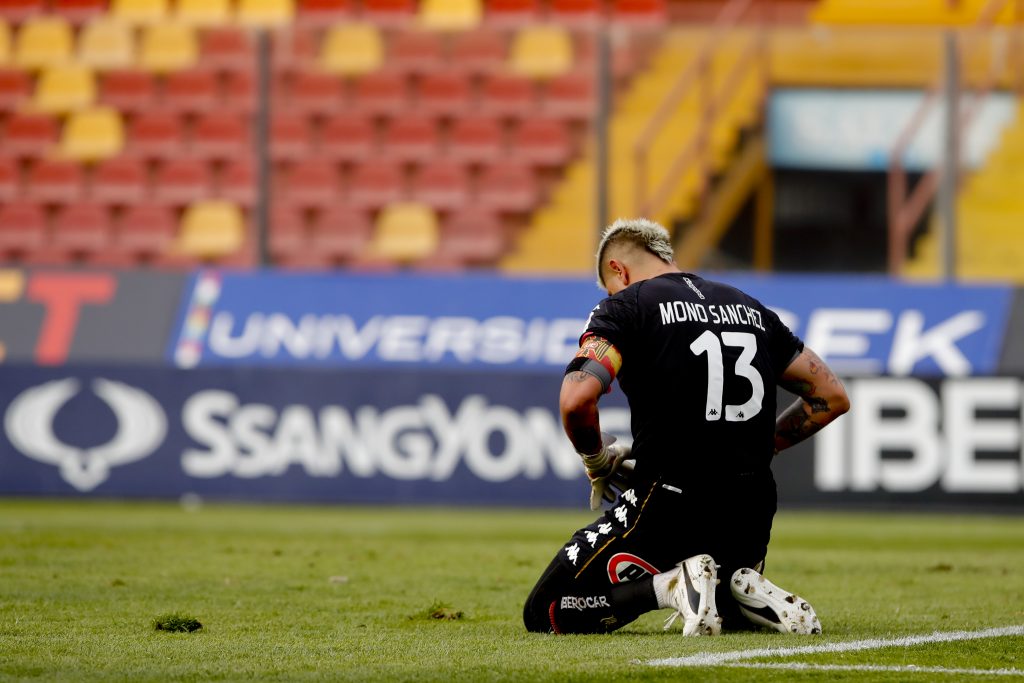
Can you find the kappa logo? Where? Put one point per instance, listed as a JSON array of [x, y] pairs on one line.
[[623, 567], [141, 428]]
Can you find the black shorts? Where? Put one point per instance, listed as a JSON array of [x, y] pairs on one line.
[[649, 530], [654, 526]]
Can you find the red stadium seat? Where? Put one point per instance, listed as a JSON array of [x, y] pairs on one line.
[[121, 180], [376, 183], [290, 137], [570, 97], [640, 12], [541, 142], [287, 236], [293, 49], [320, 13], [227, 49], [222, 135], [442, 184], [10, 179], [512, 13], [416, 52], [79, 11], [509, 96], [80, 230], [145, 232], [480, 52], [577, 13], [476, 139], [340, 234], [17, 11], [190, 91], [29, 135], [310, 183], [156, 135], [15, 89], [473, 236], [508, 187], [182, 181], [22, 229], [444, 95], [238, 182], [347, 138], [389, 12], [52, 181], [129, 91], [312, 93], [240, 92], [381, 94], [411, 139]]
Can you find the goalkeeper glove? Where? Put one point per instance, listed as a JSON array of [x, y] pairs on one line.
[[602, 467]]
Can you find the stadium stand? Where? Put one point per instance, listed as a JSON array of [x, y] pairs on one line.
[[148, 110]]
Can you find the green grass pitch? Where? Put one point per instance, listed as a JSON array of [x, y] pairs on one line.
[[338, 593]]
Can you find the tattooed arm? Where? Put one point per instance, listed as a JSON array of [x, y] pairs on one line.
[[822, 399], [587, 378]]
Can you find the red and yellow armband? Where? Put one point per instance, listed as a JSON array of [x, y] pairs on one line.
[[599, 358]]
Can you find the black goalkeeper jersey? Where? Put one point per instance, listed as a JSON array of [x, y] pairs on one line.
[[700, 363]]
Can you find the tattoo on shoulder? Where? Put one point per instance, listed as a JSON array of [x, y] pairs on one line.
[[576, 377]]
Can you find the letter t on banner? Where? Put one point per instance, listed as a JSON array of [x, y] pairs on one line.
[[63, 295]]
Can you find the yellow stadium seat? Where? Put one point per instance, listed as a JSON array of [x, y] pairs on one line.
[[204, 12], [139, 11], [352, 49], [43, 42], [450, 15], [263, 13], [405, 231], [5, 43], [93, 134], [61, 89], [541, 51], [106, 44], [169, 47], [211, 229]]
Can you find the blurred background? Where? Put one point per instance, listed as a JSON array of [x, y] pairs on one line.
[[341, 250]]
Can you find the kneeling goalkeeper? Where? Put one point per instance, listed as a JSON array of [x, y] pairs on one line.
[[699, 362]]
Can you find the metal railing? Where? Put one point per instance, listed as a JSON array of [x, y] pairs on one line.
[[906, 209], [697, 77]]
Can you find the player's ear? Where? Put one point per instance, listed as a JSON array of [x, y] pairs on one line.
[[619, 272]]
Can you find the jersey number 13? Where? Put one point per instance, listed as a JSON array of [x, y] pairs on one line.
[[709, 343]]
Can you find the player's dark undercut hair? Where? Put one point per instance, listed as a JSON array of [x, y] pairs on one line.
[[640, 233]]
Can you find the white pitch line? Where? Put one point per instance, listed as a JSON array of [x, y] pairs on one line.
[[908, 668], [718, 658]]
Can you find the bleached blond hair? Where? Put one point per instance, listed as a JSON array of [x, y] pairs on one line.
[[639, 233]]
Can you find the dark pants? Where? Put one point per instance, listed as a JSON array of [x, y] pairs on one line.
[[601, 579]]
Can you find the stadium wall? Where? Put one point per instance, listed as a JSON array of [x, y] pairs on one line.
[[434, 389]]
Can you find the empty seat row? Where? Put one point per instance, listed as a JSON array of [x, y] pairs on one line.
[[386, 94], [125, 181], [99, 134], [404, 232], [50, 41], [254, 13], [94, 233], [506, 187], [413, 139], [59, 90], [435, 14], [538, 51]]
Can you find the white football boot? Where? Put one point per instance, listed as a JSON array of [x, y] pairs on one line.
[[765, 604], [693, 597]]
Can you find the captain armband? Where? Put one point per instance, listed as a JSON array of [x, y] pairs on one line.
[[598, 358]]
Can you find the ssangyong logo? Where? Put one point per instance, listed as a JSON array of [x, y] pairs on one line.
[[141, 428]]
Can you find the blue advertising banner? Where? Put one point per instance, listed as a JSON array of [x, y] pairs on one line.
[[458, 437], [861, 325], [290, 435]]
